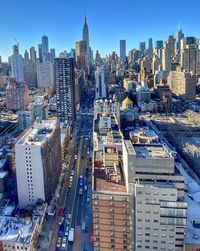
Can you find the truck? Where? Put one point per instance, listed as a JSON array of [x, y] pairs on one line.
[[81, 185], [71, 235]]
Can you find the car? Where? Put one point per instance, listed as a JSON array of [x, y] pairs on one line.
[[66, 231], [70, 184], [75, 156], [71, 178], [86, 188], [58, 242], [69, 216], [64, 241], [88, 200], [72, 172]]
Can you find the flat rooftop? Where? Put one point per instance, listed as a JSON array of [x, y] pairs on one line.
[[39, 133], [19, 229], [143, 132], [101, 181], [150, 151]]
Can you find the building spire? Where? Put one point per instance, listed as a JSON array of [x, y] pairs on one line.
[[85, 16]]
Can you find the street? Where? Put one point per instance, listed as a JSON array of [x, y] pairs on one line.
[[74, 210]]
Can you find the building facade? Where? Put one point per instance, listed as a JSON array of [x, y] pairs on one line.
[[17, 96], [65, 89], [38, 162], [17, 64]]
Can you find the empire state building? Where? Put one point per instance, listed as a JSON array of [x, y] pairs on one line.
[[86, 38], [86, 32]]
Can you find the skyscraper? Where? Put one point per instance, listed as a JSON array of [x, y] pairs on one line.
[[53, 53], [150, 48], [179, 36], [142, 48], [65, 89], [81, 55], [33, 55], [86, 34], [86, 38], [190, 58], [101, 83], [123, 50], [45, 47], [40, 53], [168, 53], [38, 162], [159, 44], [17, 64], [26, 56]]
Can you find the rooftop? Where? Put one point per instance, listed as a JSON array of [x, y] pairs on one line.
[[19, 229], [103, 180], [150, 151], [39, 133]]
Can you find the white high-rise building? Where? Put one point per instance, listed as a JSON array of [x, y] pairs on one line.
[[38, 162], [156, 190], [17, 64], [101, 85]]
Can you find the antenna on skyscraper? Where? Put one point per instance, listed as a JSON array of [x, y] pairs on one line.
[[17, 42]]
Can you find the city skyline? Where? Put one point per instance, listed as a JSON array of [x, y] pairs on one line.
[[64, 30]]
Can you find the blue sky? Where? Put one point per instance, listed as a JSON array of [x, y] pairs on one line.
[[108, 20]]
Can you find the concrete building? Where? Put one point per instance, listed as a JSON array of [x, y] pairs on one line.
[[101, 83], [65, 90], [82, 56], [187, 41], [107, 106], [21, 232], [157, 195], [190, 59], [110, 199], [30, 73], [33, 54], [45, 74], [17, 64], [168, 53], [143, 93], [38, 162], [25, 119], [182, 84], [39, 107], [17, 96], [123, 50]]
